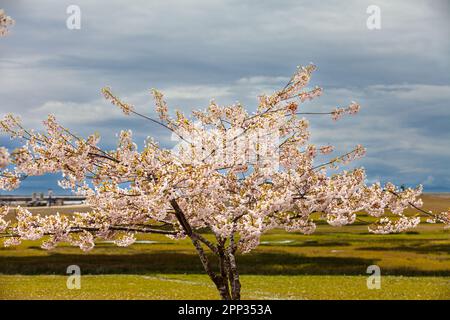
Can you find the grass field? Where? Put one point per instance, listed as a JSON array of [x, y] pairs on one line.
[[330, 264]]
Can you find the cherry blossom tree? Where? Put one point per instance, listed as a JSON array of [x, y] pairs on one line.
[[233, 176]]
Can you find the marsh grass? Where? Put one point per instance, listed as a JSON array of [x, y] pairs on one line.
[[329, 264]]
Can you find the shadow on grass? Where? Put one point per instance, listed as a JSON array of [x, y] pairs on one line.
[[307, 243], [418, 248], [183, 263]]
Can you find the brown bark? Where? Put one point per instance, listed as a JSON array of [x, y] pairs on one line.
[[234, 274], [221, 281]]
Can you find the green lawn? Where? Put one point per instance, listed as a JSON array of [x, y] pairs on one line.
[[330, 264], [194, 286]]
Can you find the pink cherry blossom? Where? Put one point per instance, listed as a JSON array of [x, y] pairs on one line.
[[5, 22], [4, 157]]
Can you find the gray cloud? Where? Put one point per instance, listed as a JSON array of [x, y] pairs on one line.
[[235, 50]]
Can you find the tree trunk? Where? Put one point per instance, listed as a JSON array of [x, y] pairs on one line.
[[227, 282], [220, 282], [234, 278], [229, 276]]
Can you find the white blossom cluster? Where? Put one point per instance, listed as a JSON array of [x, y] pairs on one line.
[[5, 22]]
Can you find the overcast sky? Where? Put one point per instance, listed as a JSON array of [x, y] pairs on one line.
[[234, 51]]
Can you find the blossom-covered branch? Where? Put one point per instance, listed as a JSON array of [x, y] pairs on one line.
[[5, 23]]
